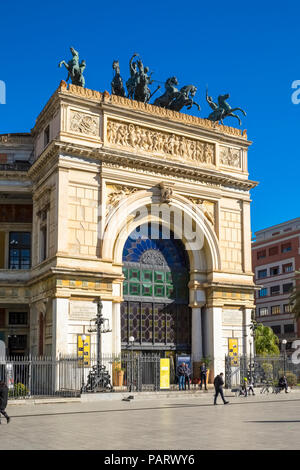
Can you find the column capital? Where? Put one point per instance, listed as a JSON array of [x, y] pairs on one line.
[[196, 305]]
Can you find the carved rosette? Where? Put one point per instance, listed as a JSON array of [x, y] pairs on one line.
[[82, 123], [159, 143], [230, 157]]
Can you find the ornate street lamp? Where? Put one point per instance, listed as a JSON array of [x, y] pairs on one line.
[[284, 341], [83, 338], [99, 377]]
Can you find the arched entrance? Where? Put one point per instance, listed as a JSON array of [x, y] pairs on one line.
[[155, 309]]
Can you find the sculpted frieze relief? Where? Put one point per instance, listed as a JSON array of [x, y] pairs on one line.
[[175, 146], [82, 123], [230, 157], [115, 193], [207, 207]]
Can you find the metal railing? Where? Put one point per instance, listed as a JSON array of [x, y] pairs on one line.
[[67, 376], [260, 370]]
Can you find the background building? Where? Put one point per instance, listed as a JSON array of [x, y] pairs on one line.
[[275, 258], [77, 195]]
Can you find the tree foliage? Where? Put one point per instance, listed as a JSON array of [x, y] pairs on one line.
[[266, 342]]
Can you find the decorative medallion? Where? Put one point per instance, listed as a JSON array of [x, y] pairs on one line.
[[84, 124]]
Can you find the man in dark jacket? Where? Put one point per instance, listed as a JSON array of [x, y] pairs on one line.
[[203, 374], [3, 401], [181, 376], [218, 383], [187, 375], [282, 384]]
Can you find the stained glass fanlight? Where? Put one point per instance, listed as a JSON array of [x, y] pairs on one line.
[[155, 307]]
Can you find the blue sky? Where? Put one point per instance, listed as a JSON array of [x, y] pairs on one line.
[[251, 51]]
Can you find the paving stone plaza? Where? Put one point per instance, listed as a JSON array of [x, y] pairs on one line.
[[186, 422]]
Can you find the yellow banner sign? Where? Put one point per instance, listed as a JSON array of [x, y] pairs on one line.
[[164, 373], [233, 350], [84, 350]]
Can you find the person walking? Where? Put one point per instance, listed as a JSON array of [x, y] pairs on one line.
[[244, 390], [187, 375], [203, 375], [218, 383], [251, 387], [181, 376], [3, 401]]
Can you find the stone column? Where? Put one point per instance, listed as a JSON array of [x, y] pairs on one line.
[[60, 321], [116, 328], [247, 332], [33, 330], [213, 340], [197, 300], [197, 349]]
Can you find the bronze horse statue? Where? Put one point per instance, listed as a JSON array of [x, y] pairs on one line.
[[75, 70], [117, 87], [184, 98], [222, 109], [165, 100]]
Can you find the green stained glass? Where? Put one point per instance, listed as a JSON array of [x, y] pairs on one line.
[[134, 274], [147, 289], [159, 291], [159, 276], [169, 277], [125, 272], [134, 288], [147, 275]]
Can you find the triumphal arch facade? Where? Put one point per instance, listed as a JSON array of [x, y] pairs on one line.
[[147, 208]]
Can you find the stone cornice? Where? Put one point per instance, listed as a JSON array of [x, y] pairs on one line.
[[112, 102], [129, 160], [166, 114], [213, 177]]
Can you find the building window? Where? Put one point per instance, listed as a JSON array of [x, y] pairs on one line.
[[17, 318], [275, 310], [263, 292], [286, 247], [275, 290], [17, 345], [289, 328], [273, 251], [274, 271], [287, 268], [262, 273], [43, 243], [263, 311], [287, 308], [261, 254], [19, 250], [287, 288], [276, 329]]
